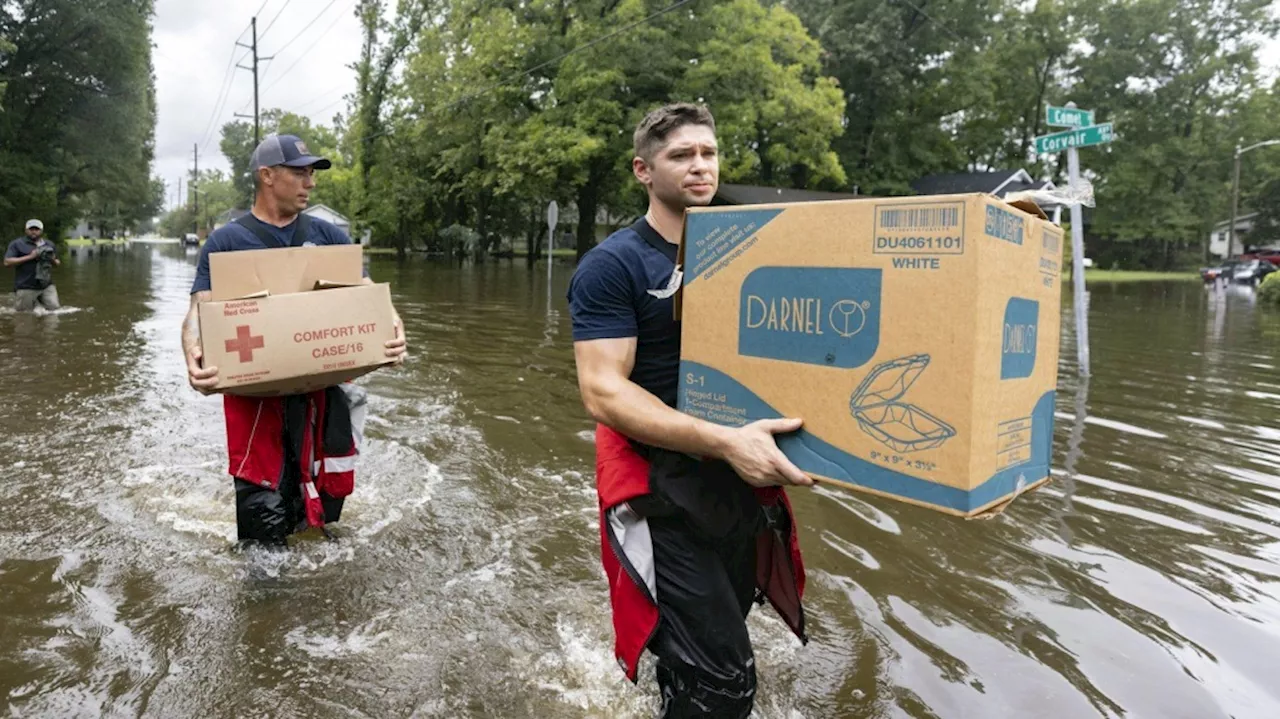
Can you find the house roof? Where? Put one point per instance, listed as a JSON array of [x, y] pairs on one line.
[[230, 215], [316, 208], [963, 182], [1240, 219], [760, 195]]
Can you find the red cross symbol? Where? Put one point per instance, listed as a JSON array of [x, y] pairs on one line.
[[245, 343]]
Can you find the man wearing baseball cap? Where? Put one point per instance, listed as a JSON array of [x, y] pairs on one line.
[[33, 259], [271, 502]]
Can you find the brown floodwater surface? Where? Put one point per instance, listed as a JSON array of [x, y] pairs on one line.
[[1144, 581]]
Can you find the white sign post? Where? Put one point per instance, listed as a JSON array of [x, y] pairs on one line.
[[553, 219], [1083, 134], [1077, 266]]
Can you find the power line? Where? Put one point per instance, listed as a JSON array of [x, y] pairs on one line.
[[273, 20], [254, 49], [308, 26], [222, 91], [321, 98], [211, 131], [326, 107], [310, 47]]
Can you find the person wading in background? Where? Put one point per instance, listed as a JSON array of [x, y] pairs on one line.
[[687, 544], [33, 259], [274, 443]]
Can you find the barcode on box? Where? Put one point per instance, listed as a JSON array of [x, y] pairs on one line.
[[920, 218], [920, 228]]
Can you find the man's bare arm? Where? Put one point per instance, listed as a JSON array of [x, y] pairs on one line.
[[191, 325], [202, 379], [614, 400], [604, 367]]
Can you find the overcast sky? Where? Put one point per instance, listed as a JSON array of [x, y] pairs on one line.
[[314, 43], [194, 39]]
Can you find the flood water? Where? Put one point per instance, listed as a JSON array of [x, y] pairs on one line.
[[1144, 581]]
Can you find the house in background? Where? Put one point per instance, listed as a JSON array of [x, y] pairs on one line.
[[328, 214], [1245, 242], [83, 228], [227, 217], [996, 182]]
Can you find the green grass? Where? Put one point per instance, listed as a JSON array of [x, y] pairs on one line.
[[1092, 275], [89, 242], [568, 253]]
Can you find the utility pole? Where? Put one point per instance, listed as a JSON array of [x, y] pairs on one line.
[[195, 178], [1235, 194], [1235, 206], [257, 133]]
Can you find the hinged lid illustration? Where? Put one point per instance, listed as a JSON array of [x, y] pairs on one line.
[[904, 427]]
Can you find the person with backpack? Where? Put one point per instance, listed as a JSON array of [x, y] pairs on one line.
[[270, 440], [33, 259]]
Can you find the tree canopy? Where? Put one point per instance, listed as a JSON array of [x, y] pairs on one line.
[[77, 114]]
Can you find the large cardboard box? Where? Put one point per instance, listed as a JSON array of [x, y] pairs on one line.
[[292, 320], [233, 275], [917, 337]]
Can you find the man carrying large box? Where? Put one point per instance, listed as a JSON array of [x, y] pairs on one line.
[[694, 522], [291, 457]]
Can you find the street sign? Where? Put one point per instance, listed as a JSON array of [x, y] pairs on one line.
[[1067, 117], [1079, 137]]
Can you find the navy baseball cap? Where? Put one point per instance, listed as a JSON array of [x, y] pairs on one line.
[[288, 150]]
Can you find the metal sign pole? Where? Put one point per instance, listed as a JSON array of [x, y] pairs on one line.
[[1077, 266], [553, 219]]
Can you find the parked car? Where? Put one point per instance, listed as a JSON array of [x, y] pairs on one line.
[[1221, 271], [1252, 272], [191, 240]]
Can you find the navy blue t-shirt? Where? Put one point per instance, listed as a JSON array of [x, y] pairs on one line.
[[609, 299], [232, 237]]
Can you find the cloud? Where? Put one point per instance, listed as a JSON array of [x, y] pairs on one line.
[[194, 40]]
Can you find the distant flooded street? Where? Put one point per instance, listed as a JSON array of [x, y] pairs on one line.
[[1144, 581]]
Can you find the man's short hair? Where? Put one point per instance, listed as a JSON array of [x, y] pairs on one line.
[[654, 129]]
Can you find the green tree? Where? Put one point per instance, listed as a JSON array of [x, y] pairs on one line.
[[1177, 77], [6, 47], [1026, 66], [334, 187], [776, 114], [503, 108], [77, 125], [1267, 205], [911, 73]]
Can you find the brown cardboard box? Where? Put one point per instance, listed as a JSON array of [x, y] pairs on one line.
[[281, 271], [916, 336], [272, 335]]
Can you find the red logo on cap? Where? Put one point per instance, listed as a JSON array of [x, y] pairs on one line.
[[245, 343]]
